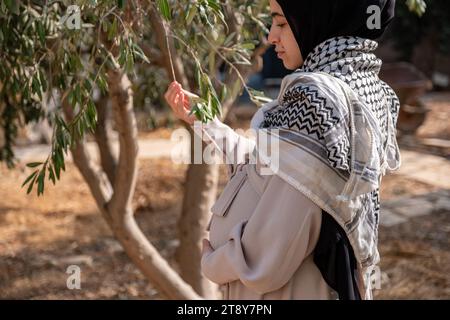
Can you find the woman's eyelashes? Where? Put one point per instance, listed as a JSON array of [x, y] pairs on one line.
[[281, 24]]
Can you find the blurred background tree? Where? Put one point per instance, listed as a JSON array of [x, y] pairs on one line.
[[431, 20]]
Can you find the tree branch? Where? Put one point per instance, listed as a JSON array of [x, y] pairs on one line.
[[96, 178], [160, 31], [153, 55], [122, 105], [102, 136], [244, 70], [124, 226]]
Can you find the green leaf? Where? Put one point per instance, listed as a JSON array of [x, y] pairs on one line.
[[57, 167], [59, 161], [105, 25], [212, 62], [80, 127], [34, 164], [215, 105], [40, 181], [123, 54], [30, 186], [102, 84], [214, 5], [129, 62], [43, 81], [77, 94], [112, 30], [87, 85], [51, 174], [417, 6], [204, 16], [191, 14], [31, 176], [229, 39], [258, 97], [71, 98], [223, 93], [164, 8], [248, 45], [138, 52], [260, 24], [91, 114], [236, 89], [203, 85], [36, 86], [41, 32], [13, 6], [241, 59]]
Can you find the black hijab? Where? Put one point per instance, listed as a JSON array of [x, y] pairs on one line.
[[314, 21]]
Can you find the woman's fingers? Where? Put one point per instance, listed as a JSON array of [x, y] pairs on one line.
[[173, 94], [187, 102], [177, 107], [180, 110], [180, 102], [175, 91], [183, 110], [169, 96], [173, 84]]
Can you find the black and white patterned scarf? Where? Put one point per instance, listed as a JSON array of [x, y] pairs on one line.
[[335, 120]]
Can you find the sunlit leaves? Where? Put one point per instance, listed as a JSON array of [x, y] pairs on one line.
[[191, 13], [164, 8], [221, 47], [417, 6], [11, 5], [39, 55], [55, 162], [258, 97]]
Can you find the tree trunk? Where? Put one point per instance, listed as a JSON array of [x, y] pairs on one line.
[[201, 179], [115, 200], [102, 137], [199, 196], [200, 187]]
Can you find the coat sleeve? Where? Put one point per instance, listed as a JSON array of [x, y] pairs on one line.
[[264, 251], [233, 148]]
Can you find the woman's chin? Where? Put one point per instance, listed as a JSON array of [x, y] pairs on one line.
[[288, 66]]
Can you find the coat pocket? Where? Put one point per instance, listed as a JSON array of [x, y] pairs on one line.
[[228, 194]]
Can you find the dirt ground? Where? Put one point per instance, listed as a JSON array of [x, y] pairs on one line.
[[41, 237]]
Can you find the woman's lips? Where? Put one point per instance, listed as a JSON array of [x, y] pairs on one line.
[[280, 54]]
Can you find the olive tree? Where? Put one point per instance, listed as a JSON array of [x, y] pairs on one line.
[[70, 62]]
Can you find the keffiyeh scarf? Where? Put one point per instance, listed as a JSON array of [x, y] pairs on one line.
[[334, 121]]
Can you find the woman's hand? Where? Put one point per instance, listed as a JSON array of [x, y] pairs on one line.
[[178, 99]]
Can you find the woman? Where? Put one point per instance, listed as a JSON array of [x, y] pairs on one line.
[[309, 230]]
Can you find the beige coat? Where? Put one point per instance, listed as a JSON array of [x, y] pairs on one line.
[[263, 232]]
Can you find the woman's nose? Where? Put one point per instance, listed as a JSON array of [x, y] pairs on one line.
[[273, 37]]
